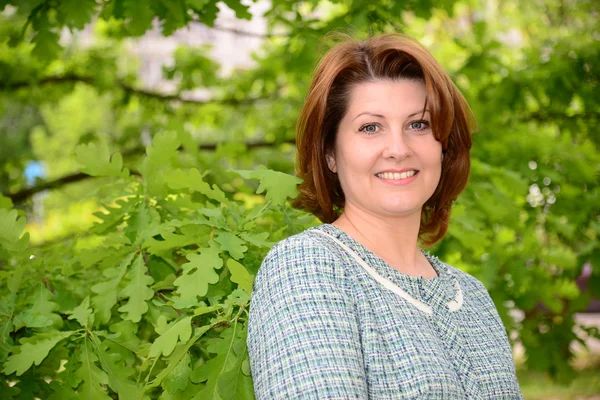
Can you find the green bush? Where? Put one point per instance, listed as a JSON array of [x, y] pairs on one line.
[[154, 302]]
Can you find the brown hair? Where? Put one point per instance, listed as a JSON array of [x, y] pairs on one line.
[[390, 56]]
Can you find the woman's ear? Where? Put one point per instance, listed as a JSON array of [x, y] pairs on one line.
[[331, 163]]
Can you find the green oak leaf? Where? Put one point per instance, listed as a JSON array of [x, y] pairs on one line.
[[93, 378], [113, 217], [164, 147], [96, 161], [31, 320], [207, 13], [231, 243], [11, 234], [192, 180], [235, 384], [179, 378], [173, 16], [143, 223], [279, 186], [223, 374], [138, 19], [138, 291], [170, 335], [237, 297], [257, 239], [41, 312], [170, 241], [82, 313], [178, 354], [204, 309], [241, 10], [211, 371], [124, 334], [76, 13], [62, 391], [33, 353], [116, 371], [198, 273], [240, 275], [106, 292], [46, 43]]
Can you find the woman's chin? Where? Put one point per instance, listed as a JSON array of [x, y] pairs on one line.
[[401, 209]]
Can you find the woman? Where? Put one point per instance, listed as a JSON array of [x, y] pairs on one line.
[[353, 309]]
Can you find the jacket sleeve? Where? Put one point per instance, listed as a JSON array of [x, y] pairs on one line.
[[303, 336]]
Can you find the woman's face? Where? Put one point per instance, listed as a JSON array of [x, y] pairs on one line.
[[386, 157]]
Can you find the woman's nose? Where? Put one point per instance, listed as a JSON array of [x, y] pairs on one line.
[[396, 147]]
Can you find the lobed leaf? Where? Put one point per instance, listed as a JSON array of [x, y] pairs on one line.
[[192, 180], [236, 384], [170, 241], [106, 292], [242, 11], [240, 275], [179, 378], [116, 372], [278, 185], [170, 335], [198, 273], [82, 313], [93, 378], [257, 239], [33, 353], [96, 161], [76, 13], [124, 334], [223, 374], [41, 312], [138, 291], [46, 41], [164, 147], [137, 19], [231, 243], [11, 234], [211, 371], [177, 355]]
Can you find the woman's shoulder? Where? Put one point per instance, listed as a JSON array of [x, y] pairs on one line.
[[302, 246], [303, 257]]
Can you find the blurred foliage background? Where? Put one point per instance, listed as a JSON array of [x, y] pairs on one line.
[[528, 225]]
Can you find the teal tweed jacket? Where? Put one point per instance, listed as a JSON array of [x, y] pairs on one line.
[[330, 320]]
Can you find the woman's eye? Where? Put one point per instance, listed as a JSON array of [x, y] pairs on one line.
[[419, 125], [369, 128]]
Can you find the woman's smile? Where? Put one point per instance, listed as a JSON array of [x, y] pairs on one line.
[[401, 177]]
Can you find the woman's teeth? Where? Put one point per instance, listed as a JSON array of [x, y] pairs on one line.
[[396, 175]]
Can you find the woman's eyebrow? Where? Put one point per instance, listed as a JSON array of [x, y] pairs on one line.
[[418, 112], [381, 116], [369, 113]]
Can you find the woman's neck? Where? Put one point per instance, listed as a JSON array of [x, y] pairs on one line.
[[392, 239]]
